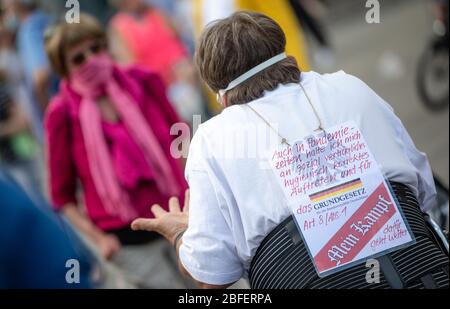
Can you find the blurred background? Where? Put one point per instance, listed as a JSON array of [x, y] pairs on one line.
[[403, 57]]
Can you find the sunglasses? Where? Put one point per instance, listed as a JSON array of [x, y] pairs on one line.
[[80, 57]]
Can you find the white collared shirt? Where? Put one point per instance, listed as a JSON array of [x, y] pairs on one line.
[[235, 198]]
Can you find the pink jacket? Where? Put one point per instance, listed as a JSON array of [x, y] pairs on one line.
[[67, 157]]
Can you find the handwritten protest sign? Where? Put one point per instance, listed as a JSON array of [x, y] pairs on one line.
[[340, 199]]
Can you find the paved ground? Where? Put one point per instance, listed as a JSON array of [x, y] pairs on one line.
[[385, 56]]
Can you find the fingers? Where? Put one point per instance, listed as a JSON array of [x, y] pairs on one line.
[[149, 225], [158, 211], [174, 205], [187, 196]]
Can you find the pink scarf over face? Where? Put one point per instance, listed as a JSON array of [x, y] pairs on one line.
[[92, 80]]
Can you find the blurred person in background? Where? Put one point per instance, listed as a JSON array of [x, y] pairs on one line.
[[142, 34], [17, 147], [18, 150], [44, 260], [109, 129], [27, 19], [9, 60]]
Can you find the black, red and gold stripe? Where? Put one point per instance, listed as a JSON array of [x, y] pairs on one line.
[[337, 190]]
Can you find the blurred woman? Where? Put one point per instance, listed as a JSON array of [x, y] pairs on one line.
[[109, 129], [141, 34]]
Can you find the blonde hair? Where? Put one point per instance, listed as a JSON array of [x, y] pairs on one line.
[[59, 38]]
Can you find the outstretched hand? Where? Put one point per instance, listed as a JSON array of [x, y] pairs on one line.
[[167, 223]]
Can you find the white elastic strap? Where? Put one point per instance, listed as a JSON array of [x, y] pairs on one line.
[[253, 72]]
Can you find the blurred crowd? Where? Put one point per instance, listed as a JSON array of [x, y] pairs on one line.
[[152, 35]]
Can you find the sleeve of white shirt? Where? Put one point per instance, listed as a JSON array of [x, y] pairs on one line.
[[426, 186], [208, 250], [390, 131]]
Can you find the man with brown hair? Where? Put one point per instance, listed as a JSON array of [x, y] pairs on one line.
[[239, 222], [227, 50]]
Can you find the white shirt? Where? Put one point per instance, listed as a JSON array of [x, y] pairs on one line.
[[236, 200]]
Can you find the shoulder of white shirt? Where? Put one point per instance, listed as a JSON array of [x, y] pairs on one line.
[[230, 114]]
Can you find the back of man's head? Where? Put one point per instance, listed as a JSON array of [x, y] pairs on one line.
[[232, 46]]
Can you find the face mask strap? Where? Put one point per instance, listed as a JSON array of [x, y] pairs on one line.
[[250, 74]]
